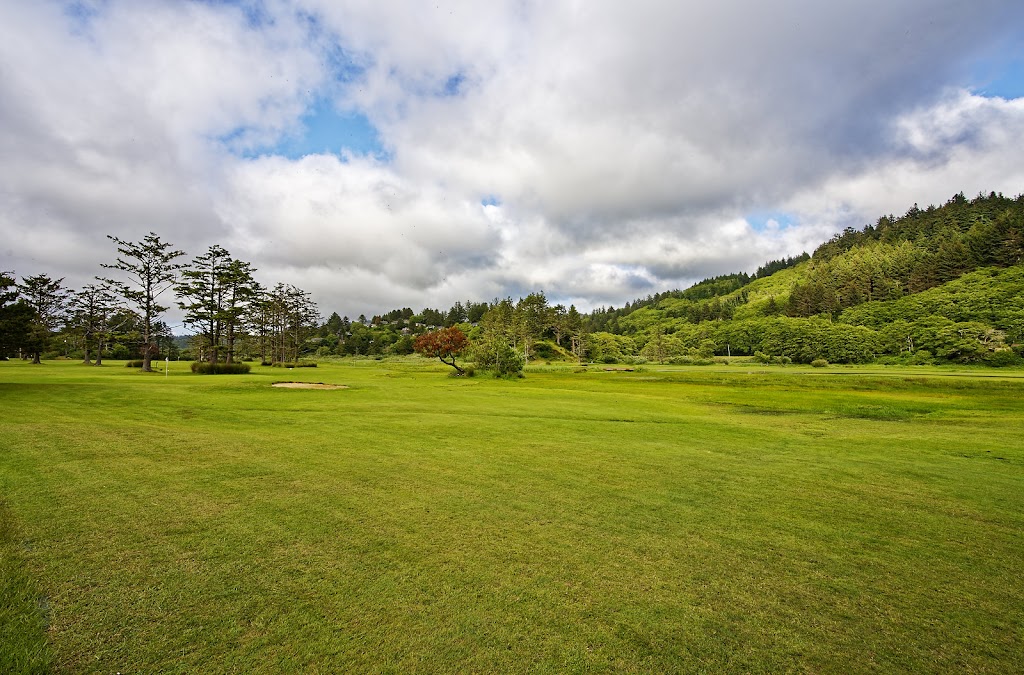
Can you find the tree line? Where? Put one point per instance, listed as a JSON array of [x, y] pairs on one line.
[[120, 315], [502, 335]]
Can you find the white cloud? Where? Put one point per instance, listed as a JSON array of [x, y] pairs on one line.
[[625, 141]]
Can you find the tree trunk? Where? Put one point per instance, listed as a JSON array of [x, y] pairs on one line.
[[460, 371]]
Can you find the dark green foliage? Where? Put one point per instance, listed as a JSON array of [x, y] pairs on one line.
[[293, 364], [994, 219], [403, 346], [47, 298], [207, 368], [1003, 358], [773, 266], [713, 287], [16, 317], [134, 364]]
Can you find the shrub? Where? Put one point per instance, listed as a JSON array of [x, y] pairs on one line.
[[819, 363], [134, 364], [761, 357], [294, 364], [1002, 358], [922, 357], [497, 355], [207, 368]]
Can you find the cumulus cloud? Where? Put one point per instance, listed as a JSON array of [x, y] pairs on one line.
[[598, 151]]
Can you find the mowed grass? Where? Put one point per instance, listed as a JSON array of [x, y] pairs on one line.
[[691, 520]]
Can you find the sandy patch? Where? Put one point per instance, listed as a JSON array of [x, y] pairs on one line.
[[308, 385]]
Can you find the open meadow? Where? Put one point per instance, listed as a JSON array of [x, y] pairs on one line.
[[731, 518]]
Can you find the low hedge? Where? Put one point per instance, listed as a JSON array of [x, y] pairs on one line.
[[207, 368], [298, 364]]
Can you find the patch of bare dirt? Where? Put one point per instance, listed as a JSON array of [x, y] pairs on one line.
[[308, 385]]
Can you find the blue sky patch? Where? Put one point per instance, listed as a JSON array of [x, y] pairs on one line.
[[330, 131], [759, 219], [323, 131], [490, 200], [1000, 75], [1008, 84]]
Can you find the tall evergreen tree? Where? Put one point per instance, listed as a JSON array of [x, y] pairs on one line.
[[215, 292], [48, 299], [151, 270], [531, 319], [15, 317], [91, 308]]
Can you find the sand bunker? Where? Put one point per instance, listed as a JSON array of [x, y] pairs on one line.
[[309, 385]]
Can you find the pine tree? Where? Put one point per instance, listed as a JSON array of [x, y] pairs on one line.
[[151, 271]]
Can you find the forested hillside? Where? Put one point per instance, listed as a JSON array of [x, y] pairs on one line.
[[942, 283]]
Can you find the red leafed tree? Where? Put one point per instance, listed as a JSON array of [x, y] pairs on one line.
[[445, 344]]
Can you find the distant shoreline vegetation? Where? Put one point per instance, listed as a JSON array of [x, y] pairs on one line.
[[935, 285]]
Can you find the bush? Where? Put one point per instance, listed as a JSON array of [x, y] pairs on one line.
[[134, 364], [207, 368], [1002, 359], [819, 363], [761, 357], [296, 364], [922, 357], [496, 355]]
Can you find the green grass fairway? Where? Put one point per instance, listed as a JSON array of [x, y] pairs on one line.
[[705, 520]]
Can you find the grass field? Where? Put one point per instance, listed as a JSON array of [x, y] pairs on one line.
[[737, 518]]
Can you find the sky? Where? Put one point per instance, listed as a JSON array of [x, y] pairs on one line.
[[411, 154]]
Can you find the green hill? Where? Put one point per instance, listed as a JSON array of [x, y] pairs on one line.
[[941, 283]]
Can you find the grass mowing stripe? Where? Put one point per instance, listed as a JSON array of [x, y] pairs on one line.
[[23, 646]]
